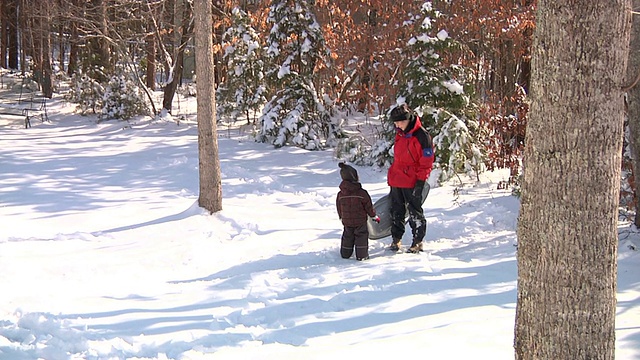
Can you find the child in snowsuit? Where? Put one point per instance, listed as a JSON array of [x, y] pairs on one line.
[[354, 205]]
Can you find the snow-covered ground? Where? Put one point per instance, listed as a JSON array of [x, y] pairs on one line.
[[105, 254]]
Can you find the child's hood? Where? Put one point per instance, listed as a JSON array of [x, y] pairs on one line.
[[350, 187]]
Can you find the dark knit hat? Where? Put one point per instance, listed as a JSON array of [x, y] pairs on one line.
[[347, 172], [401, 112]]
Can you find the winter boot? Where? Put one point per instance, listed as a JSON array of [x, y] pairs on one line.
[[364, 258], [395, 245], [415, 248]]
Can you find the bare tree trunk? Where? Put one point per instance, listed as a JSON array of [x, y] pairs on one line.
[[186, 30], [28, 45], [151, 61], [170, 89], [47, 68], [210, 176], [567, 230], [74, 39], [24, 38], [633, 101], [42, 17], [98, 45], [62, 42], [4, 19], [12, 33]]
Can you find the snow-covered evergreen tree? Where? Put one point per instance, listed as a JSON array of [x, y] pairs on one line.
[[433, 90], [243, 91], [296, 114], [86, 92], [360, 150], [436, 93], [123, 99], [457, 144]]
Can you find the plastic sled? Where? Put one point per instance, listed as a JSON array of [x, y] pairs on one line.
[[383, 210]]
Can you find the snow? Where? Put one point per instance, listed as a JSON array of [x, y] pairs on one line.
[[105, 254], [442, 35], [453, 86]]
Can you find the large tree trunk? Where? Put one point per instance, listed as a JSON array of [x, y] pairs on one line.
[[633, 98], [210, 179], [567, 231]]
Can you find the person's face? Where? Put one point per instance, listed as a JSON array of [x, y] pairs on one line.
[[401, 124]]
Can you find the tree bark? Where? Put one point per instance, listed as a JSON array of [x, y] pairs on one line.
[[633, 110], [74, 49], [567, 230], [4, 19], [186, 28], [98, 45], [209, 164], [12, 33], [151, 60], [46, 82]]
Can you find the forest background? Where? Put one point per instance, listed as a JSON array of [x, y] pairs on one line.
[[295, 70]]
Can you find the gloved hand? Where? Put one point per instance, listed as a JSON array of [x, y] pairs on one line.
[[377, 219], [417, 189]]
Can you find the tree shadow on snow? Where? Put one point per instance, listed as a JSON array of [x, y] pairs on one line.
[[317, 294]]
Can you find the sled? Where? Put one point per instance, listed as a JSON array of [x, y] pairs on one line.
[[383, 210]]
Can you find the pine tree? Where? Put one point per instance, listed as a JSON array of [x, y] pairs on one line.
[[434, 91], [243, 91], [123, 99], [296, 114]]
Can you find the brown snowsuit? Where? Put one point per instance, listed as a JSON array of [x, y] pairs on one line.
[[354, 205]]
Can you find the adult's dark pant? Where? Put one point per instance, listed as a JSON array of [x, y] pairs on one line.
[[357, 237], [402, 201]]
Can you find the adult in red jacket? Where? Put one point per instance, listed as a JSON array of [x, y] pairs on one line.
[[412, 162]]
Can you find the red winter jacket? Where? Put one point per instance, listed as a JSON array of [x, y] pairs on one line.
[[412, 157]]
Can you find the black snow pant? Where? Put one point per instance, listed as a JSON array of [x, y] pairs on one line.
[[357, 236], [402, 201]]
